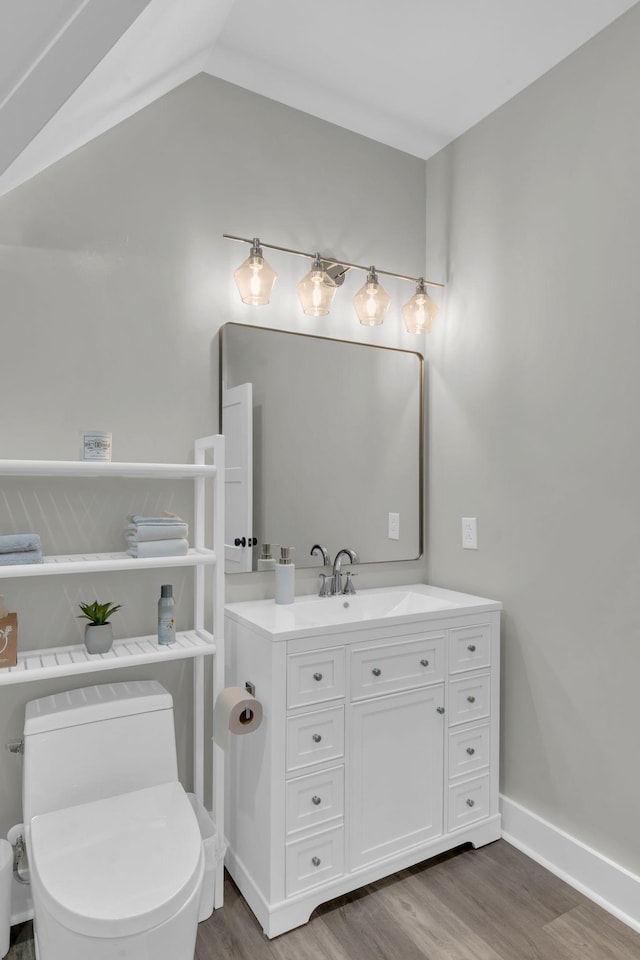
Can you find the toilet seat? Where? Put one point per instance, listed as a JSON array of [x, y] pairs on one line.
[[118, 866]]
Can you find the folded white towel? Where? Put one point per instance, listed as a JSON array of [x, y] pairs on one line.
[[164, 518], [157, 531], [21, 556], [158, 548], [17, 542]]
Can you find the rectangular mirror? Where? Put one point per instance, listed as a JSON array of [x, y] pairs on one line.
[[331, 433]]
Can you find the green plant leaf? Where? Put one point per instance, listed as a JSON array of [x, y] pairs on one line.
[[98, 612]]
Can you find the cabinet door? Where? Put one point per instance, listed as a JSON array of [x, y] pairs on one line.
[[396, 778]]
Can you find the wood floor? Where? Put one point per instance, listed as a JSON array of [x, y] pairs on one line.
[[487, 904]]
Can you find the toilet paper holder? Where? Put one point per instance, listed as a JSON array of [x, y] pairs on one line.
[[250, 688]]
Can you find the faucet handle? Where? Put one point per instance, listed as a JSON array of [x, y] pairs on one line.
[[349, 587], [324, 586]]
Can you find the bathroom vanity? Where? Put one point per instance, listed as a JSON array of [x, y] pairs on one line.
[[378, 747]]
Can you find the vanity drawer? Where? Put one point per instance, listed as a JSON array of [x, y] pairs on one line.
[[313, 860], [468, 750], [315, 799], [315, 737], [469, 699], [315, 676], [392, 667], [469, 648], [469, 801]]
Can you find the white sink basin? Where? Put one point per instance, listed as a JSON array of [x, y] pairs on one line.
[[368, 605], [312, 615]]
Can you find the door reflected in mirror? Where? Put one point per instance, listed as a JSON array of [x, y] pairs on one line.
[[324, 444]]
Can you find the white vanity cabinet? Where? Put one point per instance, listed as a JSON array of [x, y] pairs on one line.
[[396, 746], [378, 747]]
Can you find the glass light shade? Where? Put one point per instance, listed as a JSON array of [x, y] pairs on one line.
[[420, 311], [255, 278], [371, 302], [316, 291]]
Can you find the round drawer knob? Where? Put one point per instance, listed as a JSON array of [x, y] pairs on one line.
[[471, 648], [376, 671], [316, 861], [440, 709], [471, 803], [316, 800], [317, 676], [424, 663], [471, 699], [471, 751], [316, 738]]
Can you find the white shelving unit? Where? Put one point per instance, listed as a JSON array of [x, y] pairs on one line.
[[101, 562], [196, 643]]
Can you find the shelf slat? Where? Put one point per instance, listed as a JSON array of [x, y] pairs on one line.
[[99, 562], [65, 661], [98, 468]]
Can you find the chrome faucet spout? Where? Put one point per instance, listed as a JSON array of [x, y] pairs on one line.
[[318, 548], [336, 581]]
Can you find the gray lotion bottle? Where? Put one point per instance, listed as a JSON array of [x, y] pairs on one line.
[[166, 618], [285, 577]]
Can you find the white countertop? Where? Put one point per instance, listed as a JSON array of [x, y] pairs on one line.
[[311, 615]]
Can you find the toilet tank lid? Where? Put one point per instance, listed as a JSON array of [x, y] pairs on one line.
[[105, 701]]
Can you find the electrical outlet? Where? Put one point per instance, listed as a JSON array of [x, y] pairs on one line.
[[394, 526], [469, 533]]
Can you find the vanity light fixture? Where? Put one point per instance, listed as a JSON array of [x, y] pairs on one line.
[[255, 280], [420, 311], [371, 301], [316, 290], [255, 277]]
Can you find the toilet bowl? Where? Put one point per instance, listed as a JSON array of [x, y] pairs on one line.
[[116, 877], [109, 874]]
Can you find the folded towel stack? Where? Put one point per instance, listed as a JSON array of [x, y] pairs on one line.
[[20, 548], [164, 536]]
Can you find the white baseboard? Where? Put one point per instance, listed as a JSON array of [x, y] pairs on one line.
[[608, 884]]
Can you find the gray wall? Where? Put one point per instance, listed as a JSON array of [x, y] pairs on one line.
[[534, 423], [115, 280]]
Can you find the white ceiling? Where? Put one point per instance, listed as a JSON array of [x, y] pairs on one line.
[[413, 74]]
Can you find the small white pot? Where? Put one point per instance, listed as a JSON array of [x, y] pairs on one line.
[[98, 637]]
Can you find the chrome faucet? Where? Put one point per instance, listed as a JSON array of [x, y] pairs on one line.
[[336, 580], [318, 548], [325, 581]]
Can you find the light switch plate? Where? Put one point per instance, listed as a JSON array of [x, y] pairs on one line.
[[469, 533], [394, 526]]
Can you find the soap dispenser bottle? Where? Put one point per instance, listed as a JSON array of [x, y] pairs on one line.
[[266, 561], [285, 577]]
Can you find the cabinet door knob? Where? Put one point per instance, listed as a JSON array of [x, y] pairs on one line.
[[440, 709], [471, 803], [316, 861], [471, 648], [316, 800], [376, 671], [317, 676], [424, 663], [471, 699], [471, 751], [316, 738]]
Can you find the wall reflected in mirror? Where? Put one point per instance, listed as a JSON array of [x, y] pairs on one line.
[[324, 444]]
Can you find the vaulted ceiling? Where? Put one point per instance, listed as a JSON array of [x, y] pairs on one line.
[[413, 74]]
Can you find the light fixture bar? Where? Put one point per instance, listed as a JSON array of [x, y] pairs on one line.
[[343, 263]]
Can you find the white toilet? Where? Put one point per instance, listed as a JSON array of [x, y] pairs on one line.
[[114, 847]]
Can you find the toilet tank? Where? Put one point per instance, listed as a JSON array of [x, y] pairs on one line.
[[96, 742]]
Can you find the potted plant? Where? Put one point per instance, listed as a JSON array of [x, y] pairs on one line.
[[98, 634]]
